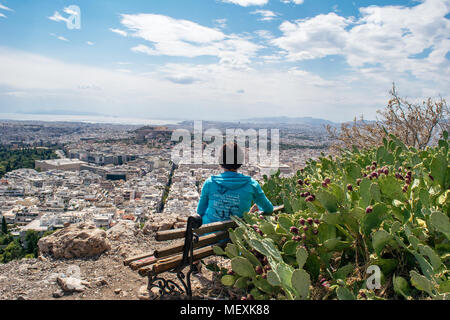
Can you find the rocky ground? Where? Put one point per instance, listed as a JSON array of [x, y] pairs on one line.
[[81, 262]]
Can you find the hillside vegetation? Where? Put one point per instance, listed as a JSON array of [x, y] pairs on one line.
[[22, 158]]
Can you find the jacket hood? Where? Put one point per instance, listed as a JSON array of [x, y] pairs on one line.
[[231, 180]]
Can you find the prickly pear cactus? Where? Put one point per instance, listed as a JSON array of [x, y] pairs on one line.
[[369, 224]]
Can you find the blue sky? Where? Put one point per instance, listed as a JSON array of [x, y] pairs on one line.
[[221, 59]]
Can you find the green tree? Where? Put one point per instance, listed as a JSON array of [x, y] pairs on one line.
[[4, 226], [12, 251], [31, 240]]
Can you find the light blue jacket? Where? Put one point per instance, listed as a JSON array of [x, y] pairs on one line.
[[230, 193]]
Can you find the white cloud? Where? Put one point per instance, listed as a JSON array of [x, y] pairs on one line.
[[90, 43], [118, 31], [381, 42], [293, 1], [313, 38], [183, 38], [311, 78], [246, 3], [2, 7], [264, 34], [266, 15], [221, 23], [15, 93], [166, 91], [59, 37], [123, 70]]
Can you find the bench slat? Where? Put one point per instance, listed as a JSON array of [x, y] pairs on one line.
[[142, 262], [172, 262], [203, 241], [181, 233], [138, 257]]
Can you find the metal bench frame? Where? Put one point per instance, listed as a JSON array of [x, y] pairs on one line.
[[169, 287]]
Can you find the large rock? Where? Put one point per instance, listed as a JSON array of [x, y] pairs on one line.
[[150, 228], [124, 231], [72, 284], [159, 224], [75, 241]]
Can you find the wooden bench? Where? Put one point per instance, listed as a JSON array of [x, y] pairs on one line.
[[198, 244]]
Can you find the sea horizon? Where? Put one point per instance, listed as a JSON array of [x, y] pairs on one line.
[[94, 119]]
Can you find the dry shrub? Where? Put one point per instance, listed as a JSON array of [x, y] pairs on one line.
[[415, 124]]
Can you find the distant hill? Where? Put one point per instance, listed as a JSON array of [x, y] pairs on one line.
[[288, 120]]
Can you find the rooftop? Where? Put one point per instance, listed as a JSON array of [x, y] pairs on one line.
[[61, 162]]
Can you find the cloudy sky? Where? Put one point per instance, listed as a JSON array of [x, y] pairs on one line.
[[221, 59]]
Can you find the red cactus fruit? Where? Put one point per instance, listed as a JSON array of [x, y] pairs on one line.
[[294, 230], [259, 270]]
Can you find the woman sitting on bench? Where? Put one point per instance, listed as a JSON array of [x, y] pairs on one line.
[[231, 193]]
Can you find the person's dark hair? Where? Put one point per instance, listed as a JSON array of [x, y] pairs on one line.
[[231, 156]]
